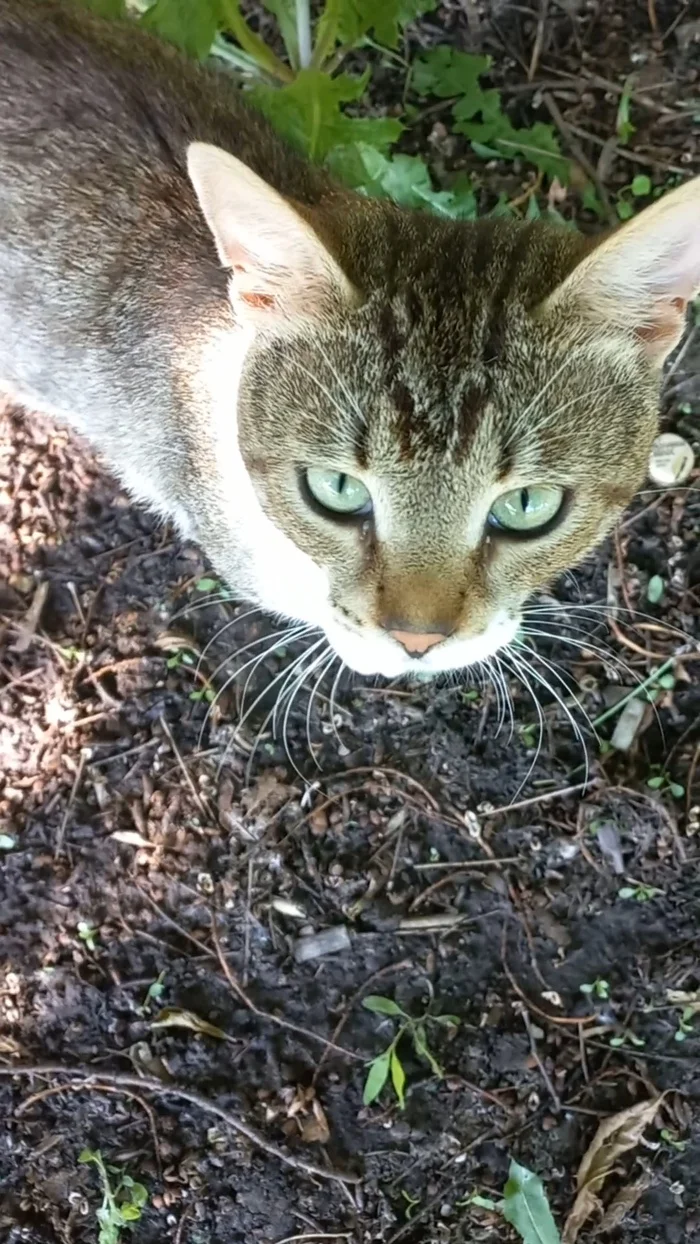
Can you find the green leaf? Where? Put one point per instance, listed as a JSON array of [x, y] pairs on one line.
[[627, 891], [381, 1006], [656, 782], [206, 585], [525, 1207], [130, 1213], [479, 113], [284, 11], [676, 790], [483, 1202], [420, 1042], [398, 1077], [444, 71], [192, 27], [90, 1155], [377, 1077], [308, 112], [641, 186], [624, 209], [139, 1194], [404, 179], [655, 589], [384, 18]]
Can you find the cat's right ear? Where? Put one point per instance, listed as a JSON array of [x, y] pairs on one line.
[[281, 270], [643, 276]]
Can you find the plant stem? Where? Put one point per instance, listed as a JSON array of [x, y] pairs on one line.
[[252, 44], [648, 682], [303, 12]]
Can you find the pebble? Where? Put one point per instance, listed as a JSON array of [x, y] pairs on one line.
[[671, 460]]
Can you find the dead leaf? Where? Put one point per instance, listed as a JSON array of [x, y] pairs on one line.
[[681, 997], [615, 1136], [315, 1129], [131, 838], [146, 1063], [30, 621], [625, 1200], [173, 1017]]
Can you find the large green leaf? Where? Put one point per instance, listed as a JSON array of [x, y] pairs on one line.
[[384, 19], [404, 179], [308, 112], [525, 1207], [190, 26], [444, 71]]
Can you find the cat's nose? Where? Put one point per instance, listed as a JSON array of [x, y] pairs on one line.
[[417, 643]]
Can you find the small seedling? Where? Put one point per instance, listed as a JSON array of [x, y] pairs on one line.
[[412, 1203], [389, 1063], [671, 1139], [660, 781], [655, 589], [88, 934], [596, 989], [625, 128], [481, 1202], [528, 734], [180, 657], [627, 1038], [685, 1023], [205, 693], [639, 892], [122, 1205], [154, 992]]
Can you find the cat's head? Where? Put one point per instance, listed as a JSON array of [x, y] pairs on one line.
[[438, 417]]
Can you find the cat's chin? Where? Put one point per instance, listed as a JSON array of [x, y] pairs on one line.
[[373, 653]]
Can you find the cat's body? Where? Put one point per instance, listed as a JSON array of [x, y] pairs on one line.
[[436, 366]]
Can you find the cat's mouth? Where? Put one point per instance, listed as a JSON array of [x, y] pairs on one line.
[[371, 651]]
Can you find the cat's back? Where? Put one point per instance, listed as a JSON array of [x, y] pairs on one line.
[[76, 90]]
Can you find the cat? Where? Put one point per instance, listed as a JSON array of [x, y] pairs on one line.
[[386, 425]]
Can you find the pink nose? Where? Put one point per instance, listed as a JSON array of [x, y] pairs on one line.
[[416, 643]]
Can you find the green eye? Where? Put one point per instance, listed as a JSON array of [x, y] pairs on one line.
[[526, 510], [338, 492]]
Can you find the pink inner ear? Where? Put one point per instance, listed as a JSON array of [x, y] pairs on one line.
[[259, 302]]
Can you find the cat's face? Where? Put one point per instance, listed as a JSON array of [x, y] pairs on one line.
[[444, 417], [431, 492]]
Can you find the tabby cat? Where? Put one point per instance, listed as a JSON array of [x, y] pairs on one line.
[[389, 426]]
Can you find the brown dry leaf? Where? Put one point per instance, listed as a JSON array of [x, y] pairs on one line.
[[8, 1045], [173, 1017], [625, 1200], [146, 1063], [30, 621], [615, 1136], [689, 1001], [315, 1129]]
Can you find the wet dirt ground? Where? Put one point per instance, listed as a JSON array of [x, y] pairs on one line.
[[174, 852]]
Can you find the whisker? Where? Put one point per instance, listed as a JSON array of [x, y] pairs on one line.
[[309, 706], [306, 673]]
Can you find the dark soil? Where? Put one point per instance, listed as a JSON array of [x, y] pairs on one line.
[[154, 836]]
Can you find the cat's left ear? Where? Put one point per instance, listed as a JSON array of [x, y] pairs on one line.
[[282, 272], [643, 276]]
